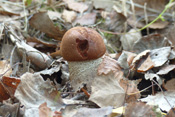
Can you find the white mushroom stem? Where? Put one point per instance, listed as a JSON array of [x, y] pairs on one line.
[[83, 73]]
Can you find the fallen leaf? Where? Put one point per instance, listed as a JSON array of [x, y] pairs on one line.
[[76, 6], [160, 56], [103, 4], [139, 109], [42, 22], [129, 39], [130, 87], [45, 111], [87, 19], [170, 35], [161, 99], [170, 85], [165, 69], [93, 112], [139, 57], [150, 42], [10, 9], [69, 16], [151, 76], [157, 5], [53, 15], [11, 110], [146, 65], [159, 24], [51, 43], [171, 113], [115, 22], [34, 91], [125, 59], [106, 91], [8, 86], [110, 65], [5, 68]]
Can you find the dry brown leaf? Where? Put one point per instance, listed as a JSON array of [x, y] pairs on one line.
[[42, 22], [7, 87], [76, 6], [11, 109], [103, 4], [166, 69], [53, 15], [34, 91], [5, 68], [146, 65], [139, 57], [87, 19], [129, 39], [115, 22], [158, 5], [160, 56], [52, 43], [171, 35], [93, 112], [150, 42], [139, 109], [69, 16], [171, 113], [160, 100], [10, 9], [45, 111], [106, 91], [110, 65], [159, 24], [130, 87], [170, 85]]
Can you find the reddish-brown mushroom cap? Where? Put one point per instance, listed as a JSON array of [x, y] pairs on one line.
[[82, 43]]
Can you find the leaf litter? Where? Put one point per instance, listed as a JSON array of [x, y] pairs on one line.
[[136, 73]]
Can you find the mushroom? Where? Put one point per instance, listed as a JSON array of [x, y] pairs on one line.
[[83, 48]]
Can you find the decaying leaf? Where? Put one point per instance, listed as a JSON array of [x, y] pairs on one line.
[[130, 87], [115, 22], [146, 65], [41, 60], [110, 65], [10, 9], [150, 76], [139, 109], [104, 4], [126, 59], [93, 112], [8, 86], [87, 19], [76, 6], [166, 69], [128, 40], [5, 68], [11, 109], [150, 42], [160, 56], [42, 22], [171, 113], [34, 91], [170, 85], [69, 16], [45, 111], [106, 91], [139, 57], [159, 99]]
